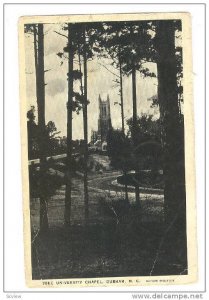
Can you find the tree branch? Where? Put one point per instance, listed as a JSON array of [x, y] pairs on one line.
[[109, 70], [61, 34]]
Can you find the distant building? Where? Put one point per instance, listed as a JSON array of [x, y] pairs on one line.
[[104, 121], [99, 138]]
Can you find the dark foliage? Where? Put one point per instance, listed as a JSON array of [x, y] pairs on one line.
[[48, 185]]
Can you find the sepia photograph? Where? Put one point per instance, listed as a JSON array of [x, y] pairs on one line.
[[107, 137]]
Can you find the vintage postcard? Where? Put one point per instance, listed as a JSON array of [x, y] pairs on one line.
[[107, 150]]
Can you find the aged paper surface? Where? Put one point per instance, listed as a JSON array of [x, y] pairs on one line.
[[107, 150]]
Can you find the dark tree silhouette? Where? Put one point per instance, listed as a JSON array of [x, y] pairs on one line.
[[38, 37], [169, 111], [41, 126], [68, 191], [85, 127], [173, 138], [119, 150]]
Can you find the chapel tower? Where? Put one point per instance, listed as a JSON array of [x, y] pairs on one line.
[[104, 121]]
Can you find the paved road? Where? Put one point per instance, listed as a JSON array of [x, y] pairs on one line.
[[97, 191], [101, 187]]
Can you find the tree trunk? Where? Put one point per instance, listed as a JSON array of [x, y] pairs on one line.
[[69, 130], [169, 113], [121, 99], [85, 127], [40, 91], [134, 133], [123, 127], [173, 137]]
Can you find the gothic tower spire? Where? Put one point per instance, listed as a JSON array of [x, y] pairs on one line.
[[104, 121]]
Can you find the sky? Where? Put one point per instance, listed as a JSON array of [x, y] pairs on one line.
[[100, 81]]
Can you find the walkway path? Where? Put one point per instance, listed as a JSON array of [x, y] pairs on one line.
[[100, 188]]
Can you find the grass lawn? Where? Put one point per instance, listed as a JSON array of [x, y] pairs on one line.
[[122, 242]]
